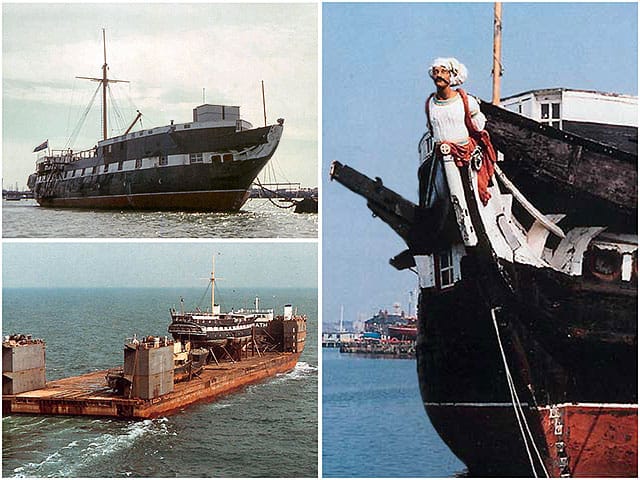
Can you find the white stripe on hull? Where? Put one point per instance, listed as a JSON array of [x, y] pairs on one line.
[[470, 404], [509, 405], [127, 195]]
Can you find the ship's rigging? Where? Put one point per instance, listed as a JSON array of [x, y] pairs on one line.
[[109, 116]]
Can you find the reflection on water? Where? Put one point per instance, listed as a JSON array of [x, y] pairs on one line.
[[258, 219]]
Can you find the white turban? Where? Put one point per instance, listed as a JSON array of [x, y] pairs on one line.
[[458, 70]]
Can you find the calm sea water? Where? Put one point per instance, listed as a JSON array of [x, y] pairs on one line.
[[266, 430], [373, 421], [258, 219]]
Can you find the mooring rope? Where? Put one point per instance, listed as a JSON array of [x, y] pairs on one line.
[[265, 189], [517, 405]]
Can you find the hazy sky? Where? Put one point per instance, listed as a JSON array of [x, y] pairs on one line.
[[169, 53], [155, 264], [375, 60]]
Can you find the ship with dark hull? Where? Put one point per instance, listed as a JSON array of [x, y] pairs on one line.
[[13, 196], [403, 332], [210, 329], [527, 338], [208, 164]]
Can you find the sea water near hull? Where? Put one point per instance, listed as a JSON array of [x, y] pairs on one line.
[[258, 219], [176, 446], [373, 421]]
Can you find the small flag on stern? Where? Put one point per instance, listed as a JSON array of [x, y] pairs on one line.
[[42, 146]]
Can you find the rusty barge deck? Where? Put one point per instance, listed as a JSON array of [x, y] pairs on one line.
[[89, 394]]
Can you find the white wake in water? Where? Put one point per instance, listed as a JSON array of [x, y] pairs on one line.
[[300, 371], [81, 453], [303, 369]]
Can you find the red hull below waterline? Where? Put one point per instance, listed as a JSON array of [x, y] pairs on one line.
[[577, 440], [218, 201], [600, 440]]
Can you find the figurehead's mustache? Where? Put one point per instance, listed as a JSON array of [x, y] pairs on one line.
[[440, 78]]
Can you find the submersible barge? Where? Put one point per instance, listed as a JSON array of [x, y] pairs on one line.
[[89, 394], [159, 375]]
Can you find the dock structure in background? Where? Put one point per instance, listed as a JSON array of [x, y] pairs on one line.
[[387, 348]]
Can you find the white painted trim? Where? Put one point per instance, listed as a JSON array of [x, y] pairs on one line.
[[569, 254], [547, 407], [233, 328], [147, 194], [426, 272], [627, 267], [592, 405], [148, 163], [458, 200], [472, 404]]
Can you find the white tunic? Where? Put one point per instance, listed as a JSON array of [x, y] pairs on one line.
[[447, 119]]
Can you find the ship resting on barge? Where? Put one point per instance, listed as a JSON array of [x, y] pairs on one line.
[[216, 330], [527, 338], [159, 375], [208, 164], [227, 333]]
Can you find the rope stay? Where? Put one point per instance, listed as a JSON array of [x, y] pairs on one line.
[[206, 291], [271, 176], [69, 108], [83, 118], [517, 404], [116, 113], [203, 295]]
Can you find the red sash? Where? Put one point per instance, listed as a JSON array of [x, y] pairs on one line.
[[462, 153]]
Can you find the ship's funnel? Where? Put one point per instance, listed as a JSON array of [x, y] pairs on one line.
[[216, 309], [288, 312]]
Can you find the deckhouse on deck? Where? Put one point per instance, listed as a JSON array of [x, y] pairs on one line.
[[609, 118]]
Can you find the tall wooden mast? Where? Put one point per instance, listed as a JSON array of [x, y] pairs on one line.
[[105, 81], [264, 105], [213, 283], [497, 51]]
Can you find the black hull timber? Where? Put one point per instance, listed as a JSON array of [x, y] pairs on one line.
[[566, 345], [208, 187], [591, 181]]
